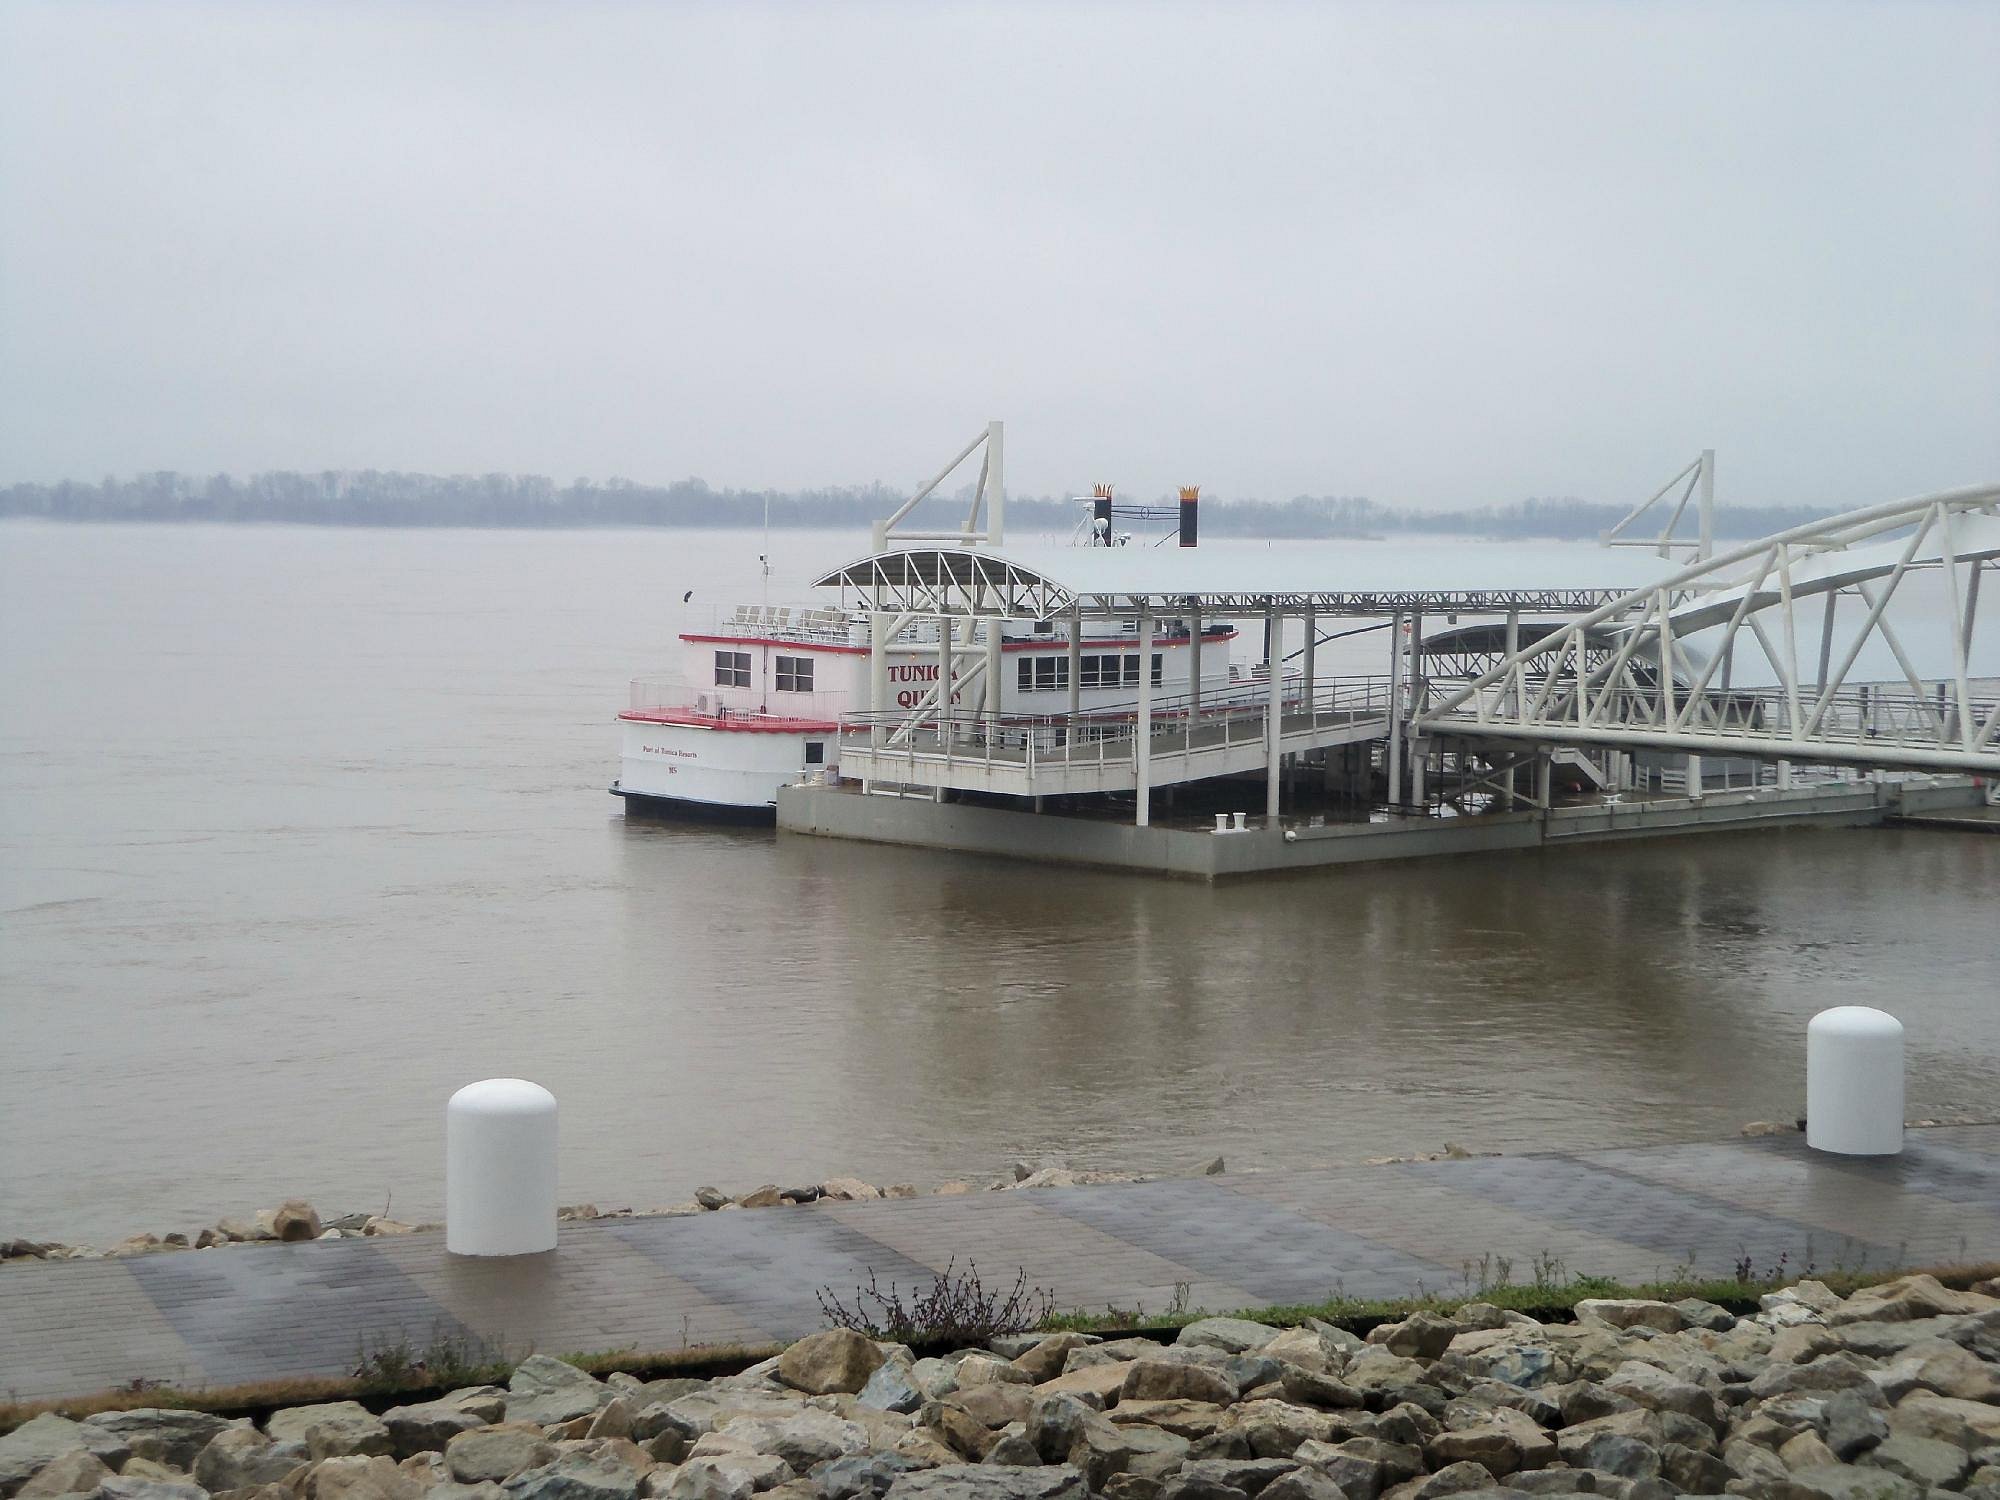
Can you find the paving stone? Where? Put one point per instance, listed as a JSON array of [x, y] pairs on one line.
[[245, 1314]]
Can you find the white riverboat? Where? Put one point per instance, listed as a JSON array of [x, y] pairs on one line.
[[760, 701], [761, 693]]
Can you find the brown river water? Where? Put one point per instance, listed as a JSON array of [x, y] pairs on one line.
[[301, 829]]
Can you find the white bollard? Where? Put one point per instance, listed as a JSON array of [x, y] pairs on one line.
[[500, 1169], [1854, 1082]]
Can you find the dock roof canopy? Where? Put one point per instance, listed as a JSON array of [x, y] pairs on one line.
[[1354, 578]]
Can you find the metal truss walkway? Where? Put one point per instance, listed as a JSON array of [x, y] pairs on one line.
[[1807, 601]]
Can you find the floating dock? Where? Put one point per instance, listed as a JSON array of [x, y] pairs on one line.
[[1272, 847]]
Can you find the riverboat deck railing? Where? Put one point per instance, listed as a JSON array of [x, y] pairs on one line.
[[673, 699], [1233, 716]]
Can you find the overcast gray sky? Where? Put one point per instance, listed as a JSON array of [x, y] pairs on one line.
[[1433, 254]]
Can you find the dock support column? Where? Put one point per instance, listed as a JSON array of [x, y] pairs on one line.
[[1194, 667], [1142, 743], [1311, 647], [1544, 778], [1395, 707], [944, 724], [1784, 776], [1508, 797], [1274, 628], [992, 693], [1419, 751], [878, 676], [1075, 661], [1694, 775]]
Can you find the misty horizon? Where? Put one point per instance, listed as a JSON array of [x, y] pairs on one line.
[[1444, 255], [371, 498]]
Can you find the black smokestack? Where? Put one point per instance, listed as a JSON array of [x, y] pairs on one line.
[[1100, 517], [1190, 514]]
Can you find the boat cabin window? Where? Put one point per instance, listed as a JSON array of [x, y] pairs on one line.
[[795, 674], [732, 669], [1042, 673], [1121, 670], [815, 752]]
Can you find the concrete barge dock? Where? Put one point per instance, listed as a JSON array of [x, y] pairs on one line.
[[1292, 845]]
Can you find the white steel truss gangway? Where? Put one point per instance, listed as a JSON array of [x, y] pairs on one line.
[[958, 588], [1809, 601]]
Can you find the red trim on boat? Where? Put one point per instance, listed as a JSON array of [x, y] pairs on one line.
[[729, 723], [1061, 643], [1054, 643], [767, 640]]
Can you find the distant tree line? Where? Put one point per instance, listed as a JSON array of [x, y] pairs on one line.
[[369, 497]]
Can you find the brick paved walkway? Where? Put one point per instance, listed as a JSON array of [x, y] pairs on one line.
[[220, 1317]]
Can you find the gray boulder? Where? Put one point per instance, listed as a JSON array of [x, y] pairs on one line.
[[1219, 1478], [1649, 1386], [1630, 1312], [242, 1456], [492, 1454], [1054, 1424], [1696, 1313], [427, 1426], [1853, 1426], [1422, 1335], [1454, 1479], [1926, 1461], [1521, 1360], [1175, 1380], [1822, 1376], [802, 1440], [862, 1476], [1850, 1482], [996, 1405], [25, 1450], [76, 1472], [162, 1434], [124, 1487], [1501, 1441], [1615, 1453], [544, 1390], [997, 1482], [1231, 1335], [1693, 1472], [1305, 1484], [1042, 1358], [891, 1388], [1013, 1447], [832, 1360], [576, 1476], [331, 1429], [1310, 1388]]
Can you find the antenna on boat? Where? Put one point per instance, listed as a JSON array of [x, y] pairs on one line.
[[764, 557]]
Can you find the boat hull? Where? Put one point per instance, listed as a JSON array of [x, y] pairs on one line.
[[641, 805], [679, 766]]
